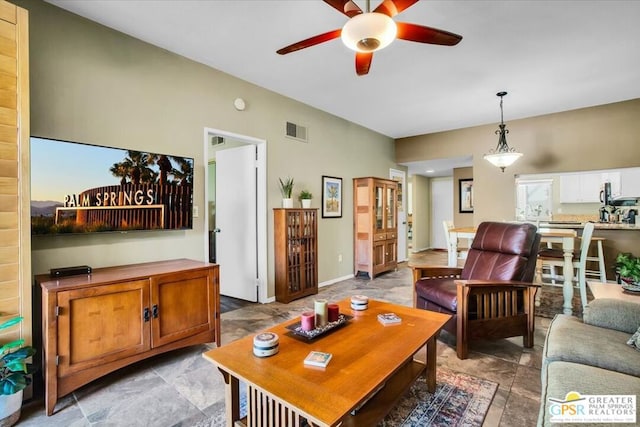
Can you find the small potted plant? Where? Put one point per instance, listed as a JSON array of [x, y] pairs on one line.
[[286, 188], [305, 199], [628, 268], [15, 375]]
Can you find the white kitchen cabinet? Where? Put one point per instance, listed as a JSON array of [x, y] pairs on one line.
[[630, 182], [580, 188]]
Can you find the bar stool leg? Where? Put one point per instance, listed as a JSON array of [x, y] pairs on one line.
[[603, 269]]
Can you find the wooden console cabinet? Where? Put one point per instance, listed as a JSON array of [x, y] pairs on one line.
[[375, 225], [296, 253], [97, 323]]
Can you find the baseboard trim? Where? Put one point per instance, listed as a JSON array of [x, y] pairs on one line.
[[336, 280]]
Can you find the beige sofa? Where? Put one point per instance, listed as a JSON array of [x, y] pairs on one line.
[[591, 357]]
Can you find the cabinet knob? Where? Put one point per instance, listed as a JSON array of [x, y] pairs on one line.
[[154, 310], [145, 314]]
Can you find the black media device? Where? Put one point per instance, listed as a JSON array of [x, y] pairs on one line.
[[70, 271]]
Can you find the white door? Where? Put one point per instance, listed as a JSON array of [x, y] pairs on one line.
[[441, 210], [400, 177], [236, 246]]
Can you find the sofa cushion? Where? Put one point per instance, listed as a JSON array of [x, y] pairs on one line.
[[571, 340], [615, 314], [563, 377]]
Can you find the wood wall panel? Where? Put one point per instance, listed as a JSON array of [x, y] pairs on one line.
[[8, 135], [8, 82], [8, 221], [15, 242], [9, 237], [8, 185], [9, 289], [8, 203], [8, 151], [7, 12], [9, 255], [8, 168], [8, 116], [8, 98]]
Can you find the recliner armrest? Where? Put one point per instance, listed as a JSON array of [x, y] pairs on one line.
[[495, 283], [611, 313], [422, 271]]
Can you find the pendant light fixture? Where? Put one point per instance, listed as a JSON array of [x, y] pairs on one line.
[[502, 156]]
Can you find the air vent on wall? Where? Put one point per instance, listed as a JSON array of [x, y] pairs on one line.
[[217, 140], [296, 132]]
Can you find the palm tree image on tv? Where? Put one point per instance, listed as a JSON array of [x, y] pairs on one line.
[[139, 191]]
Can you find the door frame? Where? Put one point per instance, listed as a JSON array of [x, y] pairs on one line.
[[402, 250], [261, 202]]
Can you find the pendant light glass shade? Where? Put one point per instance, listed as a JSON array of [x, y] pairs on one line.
[[369, 32], [502, 156]]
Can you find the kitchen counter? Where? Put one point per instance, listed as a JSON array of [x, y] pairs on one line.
[[598, 225]]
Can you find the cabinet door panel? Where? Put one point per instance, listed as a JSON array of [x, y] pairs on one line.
[[182, 305], [101, 324]]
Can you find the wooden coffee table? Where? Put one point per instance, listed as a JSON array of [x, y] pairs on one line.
[[371, 363]]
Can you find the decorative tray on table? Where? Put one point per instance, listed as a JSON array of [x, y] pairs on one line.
[[631, 288], [296, 328]]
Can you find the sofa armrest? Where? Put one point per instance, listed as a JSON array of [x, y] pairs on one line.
[[615, 314]]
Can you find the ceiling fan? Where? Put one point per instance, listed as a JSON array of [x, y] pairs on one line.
[[366, 32]]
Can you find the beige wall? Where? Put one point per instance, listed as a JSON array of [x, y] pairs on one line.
[[600, 137], [421, 221], [461, 219], [94, 85]]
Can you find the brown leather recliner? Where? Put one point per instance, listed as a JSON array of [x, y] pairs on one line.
[[493, 295]]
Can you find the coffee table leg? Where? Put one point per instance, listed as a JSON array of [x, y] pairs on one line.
[[231, 397], [431, 364]]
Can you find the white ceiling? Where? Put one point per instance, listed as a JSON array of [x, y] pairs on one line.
[[549, 55]]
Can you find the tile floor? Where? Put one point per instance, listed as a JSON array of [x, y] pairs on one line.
[[182, 389]]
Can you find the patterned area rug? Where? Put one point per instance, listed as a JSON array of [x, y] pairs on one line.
[[459, 400], [551, 300]]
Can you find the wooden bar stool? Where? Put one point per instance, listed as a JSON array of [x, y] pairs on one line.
[[601, 273]]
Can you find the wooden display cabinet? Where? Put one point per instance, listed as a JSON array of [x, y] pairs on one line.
[[97, 323], [375, 225], [296, 253]]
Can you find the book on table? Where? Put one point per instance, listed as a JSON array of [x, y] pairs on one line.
[[318, 358], [389, 319]]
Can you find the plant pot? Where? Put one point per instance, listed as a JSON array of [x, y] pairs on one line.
[[10, 406], [306, 203], [287, 203]]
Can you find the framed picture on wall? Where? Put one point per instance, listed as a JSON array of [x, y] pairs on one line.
[[465, 195], [331, 197]]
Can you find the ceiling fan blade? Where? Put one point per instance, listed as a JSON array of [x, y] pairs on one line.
[[311, 41], [393, 7], [363, 62], [347, 7], [422, 34]]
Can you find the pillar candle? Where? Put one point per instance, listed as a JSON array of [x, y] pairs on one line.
[[320, 306], [308, 320], [334, 311]]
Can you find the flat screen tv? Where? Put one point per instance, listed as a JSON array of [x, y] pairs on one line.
[[82, 188]]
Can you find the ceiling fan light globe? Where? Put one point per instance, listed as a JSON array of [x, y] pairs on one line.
[[368, 32]]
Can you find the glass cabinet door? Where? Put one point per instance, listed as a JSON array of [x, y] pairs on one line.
[[379, 206], [390, 205]]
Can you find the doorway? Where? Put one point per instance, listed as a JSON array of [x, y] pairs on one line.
[[441, 209], [236, 214]]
